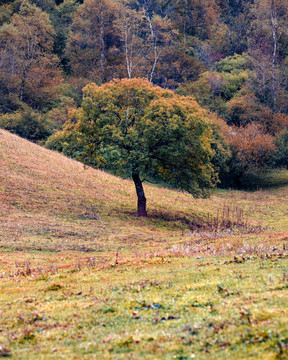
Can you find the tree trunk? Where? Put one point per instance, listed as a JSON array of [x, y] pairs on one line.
[[185, 21], [141, 205], [102, 46], [153, 44], [127, 52], [23, 84], [274, 34]]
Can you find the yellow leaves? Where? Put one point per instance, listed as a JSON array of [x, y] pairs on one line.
[[164, 172]]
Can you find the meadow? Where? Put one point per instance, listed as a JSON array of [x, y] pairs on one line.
[[81, 277]]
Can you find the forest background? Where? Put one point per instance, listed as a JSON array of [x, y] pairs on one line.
[[231, 56]]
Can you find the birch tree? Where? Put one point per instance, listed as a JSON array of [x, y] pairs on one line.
[[267, 41], [94, 42]]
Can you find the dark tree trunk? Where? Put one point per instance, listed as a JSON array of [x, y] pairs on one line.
[[102, 46], [141, 205], [23, 84]]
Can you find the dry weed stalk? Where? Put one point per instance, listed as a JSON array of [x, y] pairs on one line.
[[227, 217]]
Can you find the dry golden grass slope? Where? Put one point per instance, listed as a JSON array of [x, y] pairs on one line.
[[50, 202]]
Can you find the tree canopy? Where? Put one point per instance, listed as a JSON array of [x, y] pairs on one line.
[[146, 132]]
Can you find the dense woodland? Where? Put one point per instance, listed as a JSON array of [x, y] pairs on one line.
[[231, 56]]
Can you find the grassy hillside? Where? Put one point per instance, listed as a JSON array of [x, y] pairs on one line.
[[82, 277]]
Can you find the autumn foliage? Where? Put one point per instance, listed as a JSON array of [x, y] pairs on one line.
[[230, 56], [148, 133], [27, 58], [251, 146]]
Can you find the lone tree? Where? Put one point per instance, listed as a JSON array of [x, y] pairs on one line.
[[146, 132]]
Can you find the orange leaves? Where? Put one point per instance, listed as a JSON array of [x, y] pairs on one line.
[[279, 123], [246, 109], [251, 146]]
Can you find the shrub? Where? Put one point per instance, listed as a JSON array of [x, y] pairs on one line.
[[246, 109], [281, 154], [26, 123], [61, 114], [252, 152], [67, 141]]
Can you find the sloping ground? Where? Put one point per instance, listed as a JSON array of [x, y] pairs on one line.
[[46, 195], [50, 202], [82, 278]]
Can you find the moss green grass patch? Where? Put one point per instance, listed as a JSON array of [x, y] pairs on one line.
[[187, 308]]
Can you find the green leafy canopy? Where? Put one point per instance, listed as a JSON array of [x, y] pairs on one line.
[[132, 126]]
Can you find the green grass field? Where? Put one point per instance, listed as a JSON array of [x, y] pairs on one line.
[[82, 278]]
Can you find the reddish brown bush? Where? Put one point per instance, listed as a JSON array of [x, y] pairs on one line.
[[251, 146]]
